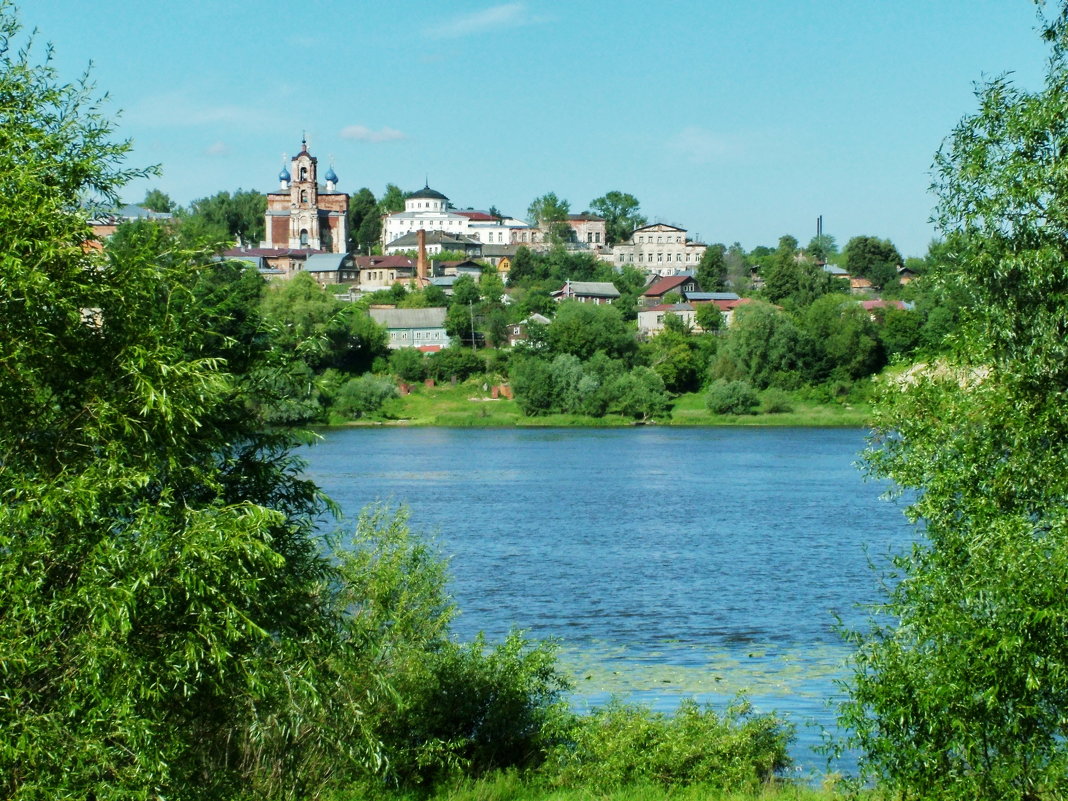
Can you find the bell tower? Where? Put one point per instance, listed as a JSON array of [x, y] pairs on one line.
[[304, 200], [301, 215]]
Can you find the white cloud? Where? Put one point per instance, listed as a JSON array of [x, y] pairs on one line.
[[217, 149], [701, 146], [364, 134], [508, 15]]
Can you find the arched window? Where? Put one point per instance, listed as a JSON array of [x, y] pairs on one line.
[[304, 173], [303, 195], [304, 237]]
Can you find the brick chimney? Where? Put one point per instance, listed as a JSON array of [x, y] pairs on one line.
[[421, 263]]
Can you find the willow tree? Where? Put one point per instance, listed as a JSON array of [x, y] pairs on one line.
[[960, 688]]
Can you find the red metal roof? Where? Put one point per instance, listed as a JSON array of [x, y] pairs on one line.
[[665, 285]]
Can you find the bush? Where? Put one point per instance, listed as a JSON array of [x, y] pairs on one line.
[[623, 744], [408, 364], [363, 395], [774, 401], [454, 362], [474, 709], [731, 397]]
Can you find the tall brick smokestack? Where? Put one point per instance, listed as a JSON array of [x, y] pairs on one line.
[[421, 264]]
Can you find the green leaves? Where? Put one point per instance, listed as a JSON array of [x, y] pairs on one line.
[[959, 688]]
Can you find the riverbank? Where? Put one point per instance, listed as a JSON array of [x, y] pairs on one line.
[[470, 404]]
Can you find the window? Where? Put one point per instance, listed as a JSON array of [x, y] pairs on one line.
[[659, 256], [304, 173], [640, 257], [589, 237], [659, 240], [304, 237], [303, 195], [597, 237], [678, 257]]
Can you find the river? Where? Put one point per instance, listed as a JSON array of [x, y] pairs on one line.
[[668, 562]]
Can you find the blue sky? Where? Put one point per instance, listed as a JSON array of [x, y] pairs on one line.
[[740, 121]]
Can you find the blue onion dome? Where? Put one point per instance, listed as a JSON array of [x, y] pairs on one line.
[[331, 175], [284, 174]]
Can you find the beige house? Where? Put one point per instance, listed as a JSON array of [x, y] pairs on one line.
[[658, 249]]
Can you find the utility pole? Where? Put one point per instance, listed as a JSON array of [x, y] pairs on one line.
[[471, 312]]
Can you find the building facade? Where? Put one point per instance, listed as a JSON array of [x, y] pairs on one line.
[[658, 249], [304, 214], [430, 210]]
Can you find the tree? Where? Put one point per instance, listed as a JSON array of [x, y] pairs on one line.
[[712, 269], [766, 347], [550, 214], [960, 685], [365, 223], [582, 329], [620, 212], [392, 200], [873, 258], [709, 317], [168, 622], [158, 201], [241, 215], [822, 247]]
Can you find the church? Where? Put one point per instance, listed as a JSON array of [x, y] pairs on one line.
[[304, 214]]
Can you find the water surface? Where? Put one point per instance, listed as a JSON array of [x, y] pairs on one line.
[[668, 562]]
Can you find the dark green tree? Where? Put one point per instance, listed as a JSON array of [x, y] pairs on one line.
[[365, 223], [873, 258], [621, 214], [712, 269]]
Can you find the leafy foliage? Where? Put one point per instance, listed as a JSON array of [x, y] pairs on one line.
[[960, 686], [620, 745], [731, 397], [621, 214]]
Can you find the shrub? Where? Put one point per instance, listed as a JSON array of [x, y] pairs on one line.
[[731, 397], [408, 364], [775, 401], [622, 744], [454, 362], [475, 709], [363, 395]]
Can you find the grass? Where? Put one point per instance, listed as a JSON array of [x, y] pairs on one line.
[[470, 405], [690, 410], [510, 786]]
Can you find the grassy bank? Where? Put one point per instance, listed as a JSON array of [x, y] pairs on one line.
[[511, 786], [469, 404]]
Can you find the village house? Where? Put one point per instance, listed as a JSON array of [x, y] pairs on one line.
[[423, 329], [651, 318], [382, 272], [597, 292], [436, 242], [660, 288], [518, 332]]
